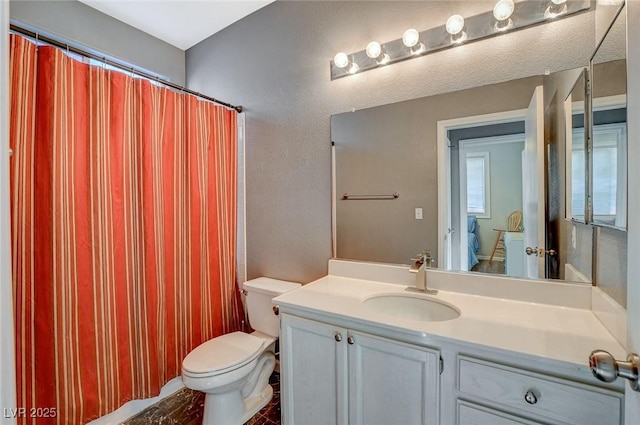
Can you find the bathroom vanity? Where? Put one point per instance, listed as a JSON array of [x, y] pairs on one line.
[[357, 348]]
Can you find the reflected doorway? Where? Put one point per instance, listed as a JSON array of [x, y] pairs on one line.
[[486, 189]]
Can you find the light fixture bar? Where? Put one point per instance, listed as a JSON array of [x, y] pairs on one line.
[[526, 13]]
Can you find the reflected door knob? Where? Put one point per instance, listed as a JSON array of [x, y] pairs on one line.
[[539, 251], [607, 369]]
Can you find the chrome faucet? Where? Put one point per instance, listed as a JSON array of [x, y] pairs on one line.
[[422, 263]]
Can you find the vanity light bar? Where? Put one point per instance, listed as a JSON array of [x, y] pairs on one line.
[[525, 13]]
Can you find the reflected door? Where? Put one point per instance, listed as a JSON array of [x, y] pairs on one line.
[[533, 198]]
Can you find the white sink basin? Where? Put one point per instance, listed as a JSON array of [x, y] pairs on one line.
[[405, 306]]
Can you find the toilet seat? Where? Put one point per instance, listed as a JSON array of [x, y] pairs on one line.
[[222, 354]]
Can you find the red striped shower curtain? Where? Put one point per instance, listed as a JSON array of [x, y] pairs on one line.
[[123, 210]]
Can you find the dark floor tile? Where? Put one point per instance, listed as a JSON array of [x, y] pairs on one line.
[[186, 407], [258, 419], [273, 413]]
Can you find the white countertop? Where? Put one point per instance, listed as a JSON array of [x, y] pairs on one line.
[[549, 331]]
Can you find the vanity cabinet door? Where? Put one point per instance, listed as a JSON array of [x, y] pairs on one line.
[[313, 372], [392, 382]]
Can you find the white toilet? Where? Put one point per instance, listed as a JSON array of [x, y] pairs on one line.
[[234, 369]]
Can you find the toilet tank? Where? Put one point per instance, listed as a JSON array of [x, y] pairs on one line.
[[260, 292]]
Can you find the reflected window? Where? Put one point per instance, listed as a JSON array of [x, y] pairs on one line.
[[478, 188], [609, 171], [609, 167]]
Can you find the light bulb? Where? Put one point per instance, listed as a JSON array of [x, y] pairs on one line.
[[353, 68], [410, 37], [503, 10], [374, 49], [341, 60], [558, 2], [455, 24]]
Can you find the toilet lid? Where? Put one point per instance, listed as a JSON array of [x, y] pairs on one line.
[[223, 352]]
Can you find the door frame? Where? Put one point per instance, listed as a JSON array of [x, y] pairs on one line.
[[444, 170], [632, 398], [7, 350]]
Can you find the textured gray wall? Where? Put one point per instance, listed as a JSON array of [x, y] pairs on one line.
[[606, 11], [87, 27], [275, 62]]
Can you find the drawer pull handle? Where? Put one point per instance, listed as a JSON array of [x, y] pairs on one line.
[[530, 397], [337, 337]]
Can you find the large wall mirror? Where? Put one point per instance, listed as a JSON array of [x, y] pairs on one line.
[[387, 174], [608, 160]]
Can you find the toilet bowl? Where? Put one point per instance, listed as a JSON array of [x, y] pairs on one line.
[[233, 370]]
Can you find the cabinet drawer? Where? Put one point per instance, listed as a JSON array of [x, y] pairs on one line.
[[473, 414], [553, 398]]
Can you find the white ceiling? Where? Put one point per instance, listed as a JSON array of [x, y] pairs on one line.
[[182, 23]]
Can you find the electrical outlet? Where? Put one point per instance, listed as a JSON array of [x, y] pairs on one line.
[[418, 213]]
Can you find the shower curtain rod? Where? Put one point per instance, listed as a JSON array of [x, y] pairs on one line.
[[67, 47]]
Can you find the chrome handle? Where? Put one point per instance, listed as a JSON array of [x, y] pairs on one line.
[[337, 337], [530, 397], [351, 340], [607, 369], [531, 251], [276, 310]]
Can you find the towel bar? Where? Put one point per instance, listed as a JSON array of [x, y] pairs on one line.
[[348, 197]]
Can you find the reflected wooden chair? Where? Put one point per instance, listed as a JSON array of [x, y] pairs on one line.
[[514, 224]]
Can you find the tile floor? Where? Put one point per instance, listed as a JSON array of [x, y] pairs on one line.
[[186, 406]]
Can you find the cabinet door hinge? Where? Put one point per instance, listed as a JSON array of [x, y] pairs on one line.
[[441, 365]]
